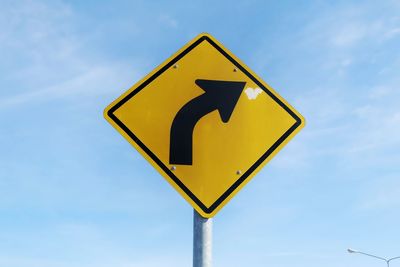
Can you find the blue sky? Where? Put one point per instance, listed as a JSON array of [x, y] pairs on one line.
[[74, 193]]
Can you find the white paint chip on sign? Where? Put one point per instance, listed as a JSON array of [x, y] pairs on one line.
[[252, 93]]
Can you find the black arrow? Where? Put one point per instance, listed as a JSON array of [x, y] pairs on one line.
[[219, 95]]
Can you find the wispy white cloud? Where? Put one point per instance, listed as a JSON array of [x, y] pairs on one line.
[[379, 194], [37, 32], [33, 262], [346, 27], [152, 261], [380, 92], [349, 35], [391, 33], [98, 80], [168, 21], [51, 60], [378, 129]]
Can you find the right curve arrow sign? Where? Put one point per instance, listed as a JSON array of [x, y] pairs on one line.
[[219, 95]]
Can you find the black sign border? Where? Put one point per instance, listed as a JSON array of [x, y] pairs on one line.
[[225, 195]]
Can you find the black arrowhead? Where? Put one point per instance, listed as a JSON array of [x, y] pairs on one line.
[[219, 95], [222, 94]]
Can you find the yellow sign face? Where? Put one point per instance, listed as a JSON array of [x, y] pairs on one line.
[[205, 121]]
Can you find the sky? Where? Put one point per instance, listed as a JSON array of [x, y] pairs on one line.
[[74, 193]]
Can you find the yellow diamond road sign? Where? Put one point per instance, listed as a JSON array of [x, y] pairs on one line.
[[205, 121]]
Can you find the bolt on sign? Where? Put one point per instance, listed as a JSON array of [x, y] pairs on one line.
[[205, 121]]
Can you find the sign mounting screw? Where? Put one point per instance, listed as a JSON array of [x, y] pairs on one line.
[[173, 168]]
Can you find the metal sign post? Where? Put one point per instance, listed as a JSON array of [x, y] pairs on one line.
[[204, 114], [202, 240]]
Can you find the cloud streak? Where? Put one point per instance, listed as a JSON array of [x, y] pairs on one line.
[[48, 60], [95, 82]]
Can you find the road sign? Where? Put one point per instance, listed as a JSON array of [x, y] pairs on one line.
[[205, 121]]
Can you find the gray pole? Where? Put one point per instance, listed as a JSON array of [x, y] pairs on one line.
[[202, 241], [374, 256]]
